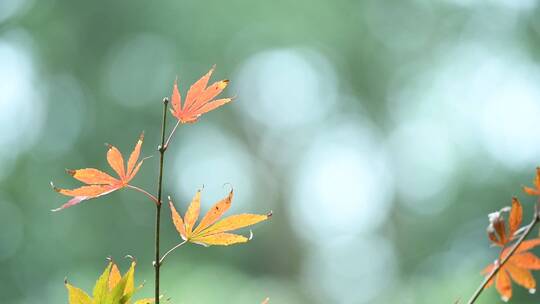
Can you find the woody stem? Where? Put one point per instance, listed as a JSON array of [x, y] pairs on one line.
[[498, 266], [162, 148]]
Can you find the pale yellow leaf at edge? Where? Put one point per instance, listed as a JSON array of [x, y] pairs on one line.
[[130, 281], [77, 295], [102, 284], [134, 156]]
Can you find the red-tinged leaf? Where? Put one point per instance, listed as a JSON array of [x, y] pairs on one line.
[[504, 285], [527, 245], [197, 88], [213, 105], [537, 178], [531, 191], [92, 176], [501, 231], [266, 301], [100, 182], [486, 271], [176, 99], [493, 237], [215, 213], [223, 239], [516, 216], [177, 221], [526, 260], [134, 157], [208, 94], [135, 170], [521, 276], [199, 99], [536, 183], [116, 161], [72, 202], [99, 191], [489, 283]]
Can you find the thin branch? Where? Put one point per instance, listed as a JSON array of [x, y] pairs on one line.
[[171, 250], [170, 135], [150, 196], [162, 148], [505, 259]]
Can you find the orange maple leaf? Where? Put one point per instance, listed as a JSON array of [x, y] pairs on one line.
[[519, 265], [536, 182], [208, 232], [100, 183], [199, 99]]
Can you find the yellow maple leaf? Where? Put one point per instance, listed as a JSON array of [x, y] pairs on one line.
[[210, 231]]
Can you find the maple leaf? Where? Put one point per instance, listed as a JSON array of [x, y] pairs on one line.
[[99, 183], [519, 265], [536, 182], [210, 231], [199, 98], [110, 288]]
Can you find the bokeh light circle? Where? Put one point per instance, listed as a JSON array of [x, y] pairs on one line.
[[343, 184]]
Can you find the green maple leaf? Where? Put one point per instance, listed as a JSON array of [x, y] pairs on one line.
[[110, 288]]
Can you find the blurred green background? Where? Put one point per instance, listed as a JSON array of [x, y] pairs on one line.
[[380, 133]]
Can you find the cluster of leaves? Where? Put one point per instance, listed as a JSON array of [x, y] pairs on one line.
[[515, 260], [110, 288]]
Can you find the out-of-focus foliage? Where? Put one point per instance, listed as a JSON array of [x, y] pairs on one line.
[[379, 132]]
